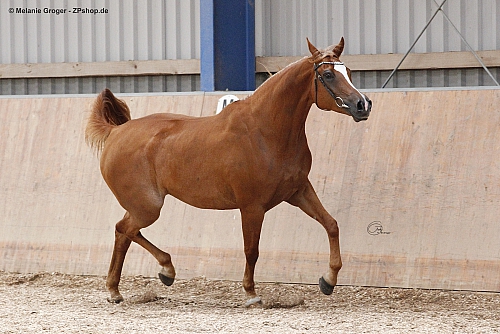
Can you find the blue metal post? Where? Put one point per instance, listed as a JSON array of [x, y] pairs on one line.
[[227, 45]]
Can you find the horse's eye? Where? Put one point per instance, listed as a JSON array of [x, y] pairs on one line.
[[328, 75]]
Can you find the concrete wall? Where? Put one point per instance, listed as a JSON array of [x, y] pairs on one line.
[[424, 168]]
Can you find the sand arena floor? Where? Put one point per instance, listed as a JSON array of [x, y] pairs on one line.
[[57, 303]]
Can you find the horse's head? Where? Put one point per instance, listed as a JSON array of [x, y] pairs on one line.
[[332, 87]]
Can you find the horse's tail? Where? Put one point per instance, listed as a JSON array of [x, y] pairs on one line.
[[107, 113]]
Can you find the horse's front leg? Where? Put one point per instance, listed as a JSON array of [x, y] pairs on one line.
[[307, 200], [251, 219]]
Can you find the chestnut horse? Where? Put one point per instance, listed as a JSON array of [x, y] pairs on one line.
[[251, 156]]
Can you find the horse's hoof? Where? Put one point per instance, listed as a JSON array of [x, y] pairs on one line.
[[253, 301], [326, 288], [168, 281], [115, 300]]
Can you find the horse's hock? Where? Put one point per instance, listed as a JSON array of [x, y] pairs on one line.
[[414, 190]]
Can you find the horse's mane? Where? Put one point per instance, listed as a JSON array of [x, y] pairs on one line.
[[277, 74]]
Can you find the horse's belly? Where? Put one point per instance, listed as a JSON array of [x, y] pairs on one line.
[[200, 186], [203, 196]]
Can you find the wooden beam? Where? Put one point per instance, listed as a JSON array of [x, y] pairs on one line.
[[375, 62], [100, 69], [387, 62]]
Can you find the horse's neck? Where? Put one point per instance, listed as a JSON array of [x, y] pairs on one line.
[[284, 100]]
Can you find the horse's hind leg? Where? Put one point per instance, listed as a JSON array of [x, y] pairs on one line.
[[122, 243], [167, 272], [127, 230]]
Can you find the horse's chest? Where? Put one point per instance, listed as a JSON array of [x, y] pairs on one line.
[[291, 174]]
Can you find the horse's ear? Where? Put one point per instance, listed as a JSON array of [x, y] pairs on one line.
[[314, 51], [337, 50]]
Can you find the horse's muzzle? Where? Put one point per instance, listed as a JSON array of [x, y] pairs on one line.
[[363, 108]]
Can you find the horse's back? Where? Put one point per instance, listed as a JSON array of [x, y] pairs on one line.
[[166, 117], [141, 130]]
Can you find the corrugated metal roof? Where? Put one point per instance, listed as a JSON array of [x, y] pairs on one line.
[[170, 29], [374, 26]]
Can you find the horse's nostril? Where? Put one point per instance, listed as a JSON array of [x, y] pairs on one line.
[[361, 106]]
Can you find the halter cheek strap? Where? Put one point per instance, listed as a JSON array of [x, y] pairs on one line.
[[320, 78]]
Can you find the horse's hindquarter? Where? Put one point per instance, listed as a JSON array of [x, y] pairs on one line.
[[127, 168]]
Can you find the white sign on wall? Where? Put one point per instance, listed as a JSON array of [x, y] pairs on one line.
[[224, 101]]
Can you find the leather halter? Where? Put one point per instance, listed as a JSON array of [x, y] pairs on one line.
[[320, 78]]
